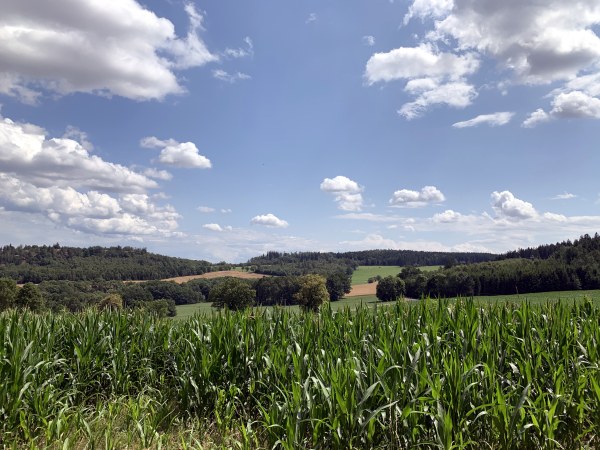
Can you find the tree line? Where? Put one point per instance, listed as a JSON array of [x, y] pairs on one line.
[[564, 266], [301, 263], [33, 263]]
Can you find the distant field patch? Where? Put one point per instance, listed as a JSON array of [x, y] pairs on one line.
[[542, 297], [363, 273], [219, 274]]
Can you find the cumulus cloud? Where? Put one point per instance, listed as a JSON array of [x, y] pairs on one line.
[[59, 179], [423, 61], [269, 220], [506, 205], [213, 227], [493, 120], [158, 174], [178, 154], [25, 149], [416, 199], [532, 42], [347, 192], [107, 48], [567, 105], [222, 75]]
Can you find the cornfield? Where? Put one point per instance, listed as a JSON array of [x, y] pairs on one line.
[[436, 374]]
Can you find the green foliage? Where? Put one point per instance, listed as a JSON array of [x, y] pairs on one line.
[[43, 263], [111, 302], [390, 289], [232, 293], [30, 297], [432, 374], [312, 293], [8, 293], [277, 290], [338, 284]]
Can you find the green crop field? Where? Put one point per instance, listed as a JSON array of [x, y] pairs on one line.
[[430, 374], [363, 273]]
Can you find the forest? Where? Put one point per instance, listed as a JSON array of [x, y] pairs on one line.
[[563, 266], [276, 263], [34, 264]]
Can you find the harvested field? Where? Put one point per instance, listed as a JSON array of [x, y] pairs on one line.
[[220, 274], [362, 289]]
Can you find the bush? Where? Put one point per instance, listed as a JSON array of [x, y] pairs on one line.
[[390, 289], [232, 293]]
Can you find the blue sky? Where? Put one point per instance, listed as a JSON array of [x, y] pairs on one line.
[[223, 129]]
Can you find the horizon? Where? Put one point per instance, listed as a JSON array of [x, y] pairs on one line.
[[222, 131]]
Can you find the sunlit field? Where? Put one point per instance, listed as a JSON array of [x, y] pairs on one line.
[[431, 374]]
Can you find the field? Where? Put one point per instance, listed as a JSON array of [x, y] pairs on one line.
[[369, 301], [429, 374], [363, 273]]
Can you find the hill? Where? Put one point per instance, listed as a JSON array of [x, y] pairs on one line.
[[33, 263]]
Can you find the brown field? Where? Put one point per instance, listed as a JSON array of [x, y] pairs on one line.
[[362, 289], [220, 274]]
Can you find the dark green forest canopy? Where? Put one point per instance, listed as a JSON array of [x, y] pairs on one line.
[[33, 263], [275, 263]]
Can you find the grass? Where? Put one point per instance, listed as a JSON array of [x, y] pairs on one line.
[[369, 301], [187, 311], [363, 273]]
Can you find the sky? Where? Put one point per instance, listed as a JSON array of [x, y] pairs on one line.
[[223, 129]]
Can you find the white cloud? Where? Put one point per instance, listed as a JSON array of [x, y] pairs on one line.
[[25, 150], [423, 61], [415, 199], [222, 75], [448, 216], [241, 52], [59, 179], [158, 174], [535, 118], [506, 205], [567, 105], [564, 196], [494, 120], [532, 42], [213, 227], [269, 220], [368, 40], [347, 192], [455, 94], [113, 47], [225, 210], [178, 154], [312, 17], [428, 9], [205, 209]]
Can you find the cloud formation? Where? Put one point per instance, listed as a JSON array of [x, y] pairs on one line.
[[506, 205], [269, 220], [416, 199], [493, 120], [532, 42], [177, 154], [222, 75], [107, 48], [59, 179], [347, 192]]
